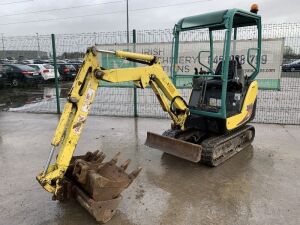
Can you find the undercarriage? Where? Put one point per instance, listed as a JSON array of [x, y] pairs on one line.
[[202, 147]]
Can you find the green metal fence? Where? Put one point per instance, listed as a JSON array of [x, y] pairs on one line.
[[274, 106]]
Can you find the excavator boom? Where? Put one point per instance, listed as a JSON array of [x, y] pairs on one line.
[[75, 174]]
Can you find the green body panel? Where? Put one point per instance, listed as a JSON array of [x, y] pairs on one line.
[[202, 21], [228, 20], [216, 20]]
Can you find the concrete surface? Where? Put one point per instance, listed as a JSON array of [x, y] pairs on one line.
[[258, 186]]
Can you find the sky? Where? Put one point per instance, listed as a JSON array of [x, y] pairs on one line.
[[22, 17]]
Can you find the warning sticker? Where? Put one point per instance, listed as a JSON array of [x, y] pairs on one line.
[[88, 99], [78, 125]]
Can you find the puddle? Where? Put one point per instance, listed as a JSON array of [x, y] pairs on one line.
[[12, 99]]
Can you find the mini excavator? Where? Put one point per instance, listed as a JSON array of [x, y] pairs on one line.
[[212, 127]]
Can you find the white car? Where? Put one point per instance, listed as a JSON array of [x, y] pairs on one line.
[[46, 70]]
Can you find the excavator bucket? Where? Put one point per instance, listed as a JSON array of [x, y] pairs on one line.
[[179, 148], [98, 185]]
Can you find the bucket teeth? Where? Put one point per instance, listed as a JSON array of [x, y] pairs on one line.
[[125, 164], [99, 182], [100, 157], [135, 173], [96, 152], [114, 160]]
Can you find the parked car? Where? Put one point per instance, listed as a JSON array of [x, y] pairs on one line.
[[45, 70], [3, 61], [18, 74], [77, 66], [291, 67], [44, 61], [25, 62], [3, 77], [77, 61], [7, 61], [38, 61], [67, 71]]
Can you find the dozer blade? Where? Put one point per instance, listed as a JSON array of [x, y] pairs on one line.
[[179, 148], [98, 185]]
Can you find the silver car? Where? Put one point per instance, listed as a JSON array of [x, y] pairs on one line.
[[46, 70]]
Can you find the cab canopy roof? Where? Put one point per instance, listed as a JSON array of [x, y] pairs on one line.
[[217, 20]]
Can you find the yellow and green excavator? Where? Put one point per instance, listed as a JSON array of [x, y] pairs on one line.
[[210, 128]]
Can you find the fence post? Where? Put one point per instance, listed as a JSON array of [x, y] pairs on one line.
[[134, 88], [55, 73]]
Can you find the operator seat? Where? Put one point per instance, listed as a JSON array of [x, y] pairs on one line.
[[235, 73], [206, 89]]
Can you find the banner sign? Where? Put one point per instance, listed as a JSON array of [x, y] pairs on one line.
[[191, 54]]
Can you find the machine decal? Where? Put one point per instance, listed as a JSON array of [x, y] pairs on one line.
[[88, 99], [78, 125], [248, 115]]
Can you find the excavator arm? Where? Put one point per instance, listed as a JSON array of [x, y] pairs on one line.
[[151, 75], [81, 97]]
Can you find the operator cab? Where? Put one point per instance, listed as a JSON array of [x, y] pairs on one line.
[[211, 100], [226, 64]]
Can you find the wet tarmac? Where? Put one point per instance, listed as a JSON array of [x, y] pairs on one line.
[[260, 185], [13, 98]]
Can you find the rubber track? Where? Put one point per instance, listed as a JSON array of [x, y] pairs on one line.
[[211, 146]]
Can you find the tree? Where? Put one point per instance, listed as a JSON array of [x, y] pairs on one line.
[[289, 53], [71, 55]]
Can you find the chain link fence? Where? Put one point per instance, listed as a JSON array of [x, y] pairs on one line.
[[274, 106]]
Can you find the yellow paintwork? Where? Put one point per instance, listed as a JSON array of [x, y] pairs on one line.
[[71, 122], [247, 108], [160, 83], [81, 97], [132, 55]]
